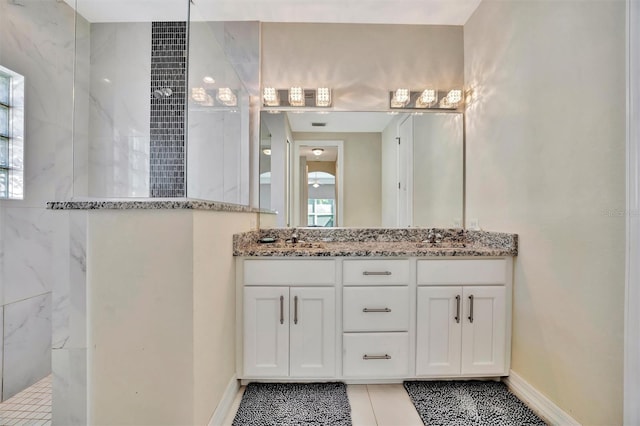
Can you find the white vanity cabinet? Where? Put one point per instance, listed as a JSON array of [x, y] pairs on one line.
[[289, 319], [373, 319], [463, 318]]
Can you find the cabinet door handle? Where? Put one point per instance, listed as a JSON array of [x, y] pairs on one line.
[[281, 309], [367, 310], [376, 273], [370, 357], [458, 309], [295, 310], [471, 308]]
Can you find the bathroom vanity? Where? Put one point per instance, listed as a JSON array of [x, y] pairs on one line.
[[373, 305]]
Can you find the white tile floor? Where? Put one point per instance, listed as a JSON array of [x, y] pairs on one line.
[[31, 407], [371, 405]]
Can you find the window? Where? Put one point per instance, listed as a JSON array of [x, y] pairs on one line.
[[321, 212], [11, 134]]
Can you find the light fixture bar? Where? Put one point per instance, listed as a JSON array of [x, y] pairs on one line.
[[297, 97], [426, 99]]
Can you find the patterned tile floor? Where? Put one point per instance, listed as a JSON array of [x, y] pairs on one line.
[[30, 407]]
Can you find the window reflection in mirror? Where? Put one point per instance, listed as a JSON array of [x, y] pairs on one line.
[[393, 170]]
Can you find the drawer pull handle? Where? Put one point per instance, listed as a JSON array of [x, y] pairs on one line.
[[376, 273], [370, 357], [367, 310], [281, 309], [295, 310], [471, 308], [458, 309]]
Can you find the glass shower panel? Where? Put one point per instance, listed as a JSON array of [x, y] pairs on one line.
[[129, 111], [223, 86]]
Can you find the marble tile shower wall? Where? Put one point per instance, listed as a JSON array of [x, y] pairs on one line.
[[36, 40], [168, 86], [119, 70]]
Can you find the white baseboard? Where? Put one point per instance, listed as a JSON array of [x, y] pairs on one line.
[[226, 402], [540, 404]]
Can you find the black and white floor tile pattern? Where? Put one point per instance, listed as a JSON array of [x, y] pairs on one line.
[[294, 404], [469, 403]]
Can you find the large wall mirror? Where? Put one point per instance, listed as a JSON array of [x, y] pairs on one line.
[[362, 169]]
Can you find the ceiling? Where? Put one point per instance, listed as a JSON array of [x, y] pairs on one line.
[[339, 122], [425, 12]]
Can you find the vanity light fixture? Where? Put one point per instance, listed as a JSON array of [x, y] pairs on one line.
[[296, 96], [227, 97], [270, 97], [425, 99], [317, 151], [266, 151], [323, 97]]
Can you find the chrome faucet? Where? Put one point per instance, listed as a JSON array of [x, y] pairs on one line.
[[294, 237]]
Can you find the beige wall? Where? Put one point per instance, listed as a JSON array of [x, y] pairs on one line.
[[546, 160], [362, 175], [161, 314], [361, 62], [214, 298]]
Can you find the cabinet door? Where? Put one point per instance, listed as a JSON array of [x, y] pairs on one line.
[[312, 346], [266, 331], [483, 333], [438, 338]]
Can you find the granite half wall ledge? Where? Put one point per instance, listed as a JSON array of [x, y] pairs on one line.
[[337, 242], [150, 204]]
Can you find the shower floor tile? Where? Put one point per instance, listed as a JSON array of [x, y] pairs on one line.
[[30, 407]]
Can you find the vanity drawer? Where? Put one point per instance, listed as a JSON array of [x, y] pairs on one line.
[[376, 308], [463, 271], [289, 272], [375, 272], [376, 354]]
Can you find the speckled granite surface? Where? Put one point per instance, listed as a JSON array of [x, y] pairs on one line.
[[373, 242], [184, 204]]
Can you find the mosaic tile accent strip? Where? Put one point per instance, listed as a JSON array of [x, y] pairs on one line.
[[168, 87]]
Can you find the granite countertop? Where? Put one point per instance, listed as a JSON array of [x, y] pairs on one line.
[[151, 204], [374, 242]]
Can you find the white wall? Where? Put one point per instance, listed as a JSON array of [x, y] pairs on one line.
[[361, 62], [437, 170], [389, 174], [362, 175], [280, 130], [546, 160], [36, 41]]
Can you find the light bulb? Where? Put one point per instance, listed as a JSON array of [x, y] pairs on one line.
[[296, 96], [323, 97], [270, 97]]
